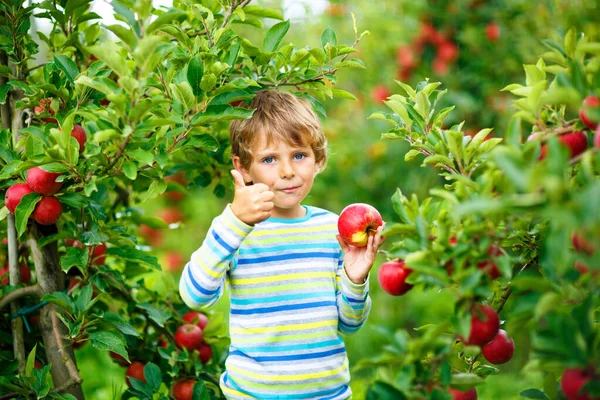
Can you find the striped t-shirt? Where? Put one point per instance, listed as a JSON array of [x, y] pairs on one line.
[[290, 302]]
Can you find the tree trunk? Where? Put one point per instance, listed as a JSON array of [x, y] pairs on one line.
[[51, 279]]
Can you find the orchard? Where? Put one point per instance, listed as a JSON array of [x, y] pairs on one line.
[[469, 130]]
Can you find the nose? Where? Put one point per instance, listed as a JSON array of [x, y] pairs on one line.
[[286, 170]]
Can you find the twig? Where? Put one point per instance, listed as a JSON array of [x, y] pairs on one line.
[[34, 290], [234, 5], [508, 291], [74, 378]]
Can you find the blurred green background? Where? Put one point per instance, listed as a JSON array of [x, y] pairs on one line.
[[474, 48]]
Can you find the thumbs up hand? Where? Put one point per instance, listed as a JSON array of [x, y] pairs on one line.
[[251, 204]]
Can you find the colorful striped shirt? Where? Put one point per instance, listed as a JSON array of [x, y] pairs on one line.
[[290, 302]]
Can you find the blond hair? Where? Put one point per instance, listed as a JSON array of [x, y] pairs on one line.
[[278, 116]]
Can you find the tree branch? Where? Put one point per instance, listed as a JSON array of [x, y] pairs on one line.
[[34, 290]]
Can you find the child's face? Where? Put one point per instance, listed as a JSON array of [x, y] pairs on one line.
[[287, 170]]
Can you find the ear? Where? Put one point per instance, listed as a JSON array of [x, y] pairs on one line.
[[237, 164], [319, 167]]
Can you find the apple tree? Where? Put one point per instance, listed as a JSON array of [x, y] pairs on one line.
[[510, 237], [113, 117]]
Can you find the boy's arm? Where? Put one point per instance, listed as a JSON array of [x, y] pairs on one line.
[[353, 301], [203, 277]]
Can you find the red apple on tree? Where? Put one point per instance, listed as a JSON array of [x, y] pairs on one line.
[[576, 142], [170, 215], [489, 266], [492, 31], [589, 113], [484, 325], [500, 350], [447, 51], [14, 194], [406, 58], [43, 182], [189, 336], [358, 221], [581, 244], [119, 359], [79, 134], [153, 236], [380, 93], [184, 390], [136, 371], [470, 394], [195, 317], [392, 277], [98, 256], [174, 261], [206, 353], [573, 379], [47, 211], [25, 274]]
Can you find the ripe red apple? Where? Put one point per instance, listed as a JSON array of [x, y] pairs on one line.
[[195, 317], [189, 336], [174, 261], [37, 365], [153, 236], [589, 113], [597, 137], [14, 194], [500, 350], [392, 277], [489, 266], [79, 134], [484, 325], [358, 221], [470, 394], [136, 371], [25, 274], [98, 254], [447, 51], [581, 244], [576, 142], [43, 182], [492, 31], [572, 381], [183, 390], [380, 93], [170, 215], [47, 211], [119, 359], [439, 66], [406, 58], [206, 353]]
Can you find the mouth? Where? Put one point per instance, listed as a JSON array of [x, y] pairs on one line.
[[292, 189]]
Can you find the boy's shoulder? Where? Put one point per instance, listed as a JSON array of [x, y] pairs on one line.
[[321, 213]]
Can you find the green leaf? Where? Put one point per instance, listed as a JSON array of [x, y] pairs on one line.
[[328, 36], [74, 200], [155, 314], [75, 257], [221, 113], [275, 35], [465, 380], [107, 340], [134, 255], [164, 19], [130, 170], [120, 323], [144, 157], [384, 391], [204, 141], [533, 394], [342, 94], [84, 298], [201, 391], [124, 33], [184, 94], [110, 54], [30, 362], [24, 210], [263, 12], [68, 66], [398, 204], [153, 376], [195, 72], [156, 189], [61, 300]]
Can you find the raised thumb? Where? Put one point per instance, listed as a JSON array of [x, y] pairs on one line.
[[238, 180]]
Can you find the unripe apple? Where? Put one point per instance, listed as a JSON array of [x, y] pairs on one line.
[[576, 142], [47, 211], [500, 350], [14, 194], [197, 318], [25, 274], [136, 371], [206, 353], [470, 394], [358, 221], [392, 277], [573, 379], [484, 325], [589, 113], [492, 31], [189, 336], [43, 182], [380, 93], [79, 134], [184, 390]]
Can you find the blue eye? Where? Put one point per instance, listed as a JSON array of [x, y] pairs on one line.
[[268, 160], [299, 156]]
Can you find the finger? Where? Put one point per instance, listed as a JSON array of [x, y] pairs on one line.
[[267, 196], [260, 187], [238, 180], [343, 245], [267, 206]]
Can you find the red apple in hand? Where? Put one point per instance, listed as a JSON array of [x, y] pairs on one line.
[[358, 221], [14, 194], [47, 211], [195, 317], [189, 336], [572, 381], [589, 113], [136, 371], [392, 277], [43, 182], [484, 325], [470, 394], [500, 350], [183, 390]]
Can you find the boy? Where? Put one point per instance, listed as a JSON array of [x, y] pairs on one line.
[[294, 288]]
